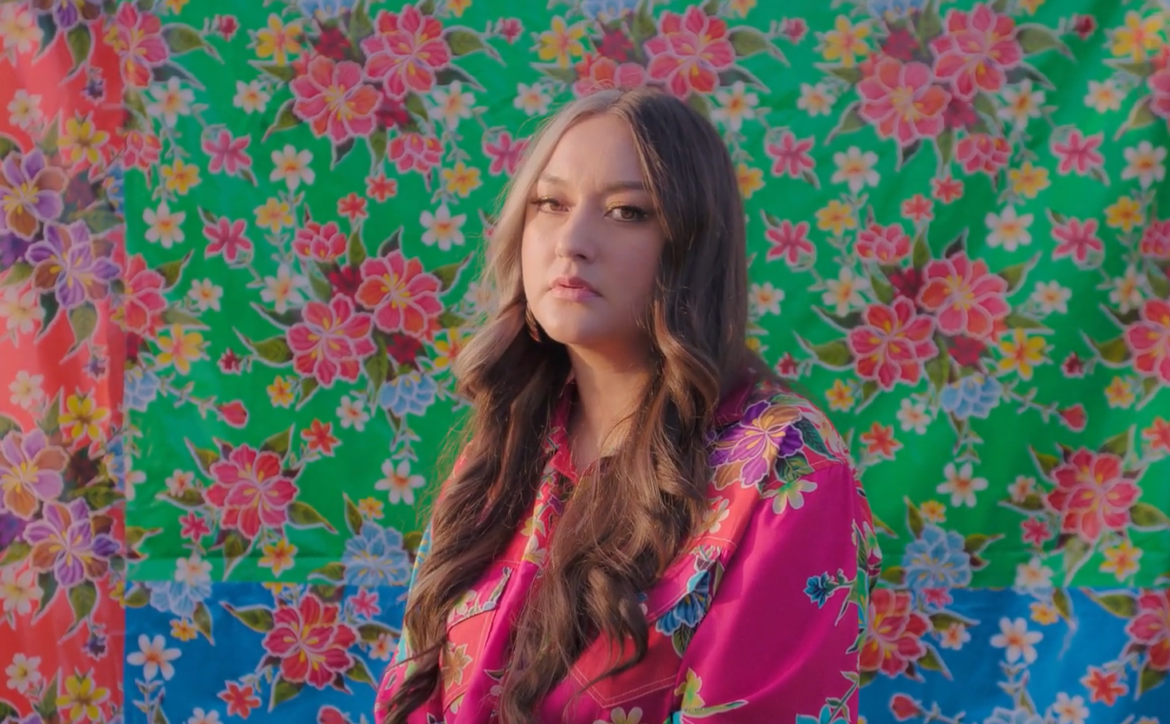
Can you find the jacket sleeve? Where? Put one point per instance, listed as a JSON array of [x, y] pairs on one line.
[[432, 710], [781, 638], [392, 678]]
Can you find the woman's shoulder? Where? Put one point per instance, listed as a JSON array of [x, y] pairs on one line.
[[769, 426], [771, 449], [778, 466]]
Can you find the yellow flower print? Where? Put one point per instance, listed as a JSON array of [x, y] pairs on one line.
[[750, 179], [836, 217], [274, 215], [371, 508], [280, 392], [278, 589], [447, 348], [562, 43], [1122, 560], [692, 702], [1044, 613], [279, 556], [278, 41], [1137, 37], [1119, 393], [1021, 353], [840, 396], [180, 176], [1028, 180], [1125, 214], [82, 141], [934, 511], [118, 592], [742, 7], [183, 630], [82, 699], [180, 348], [82, 417], [845, 42], [462, 179], [689, 690]]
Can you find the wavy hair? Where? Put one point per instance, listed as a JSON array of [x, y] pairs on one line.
[[618, 534]]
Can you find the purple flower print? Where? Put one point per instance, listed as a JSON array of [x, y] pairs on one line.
[[74, 546], [30, 472], [11, 528], [65, 263], [12, 247], [68, 13], [30, 192], [767, 435]]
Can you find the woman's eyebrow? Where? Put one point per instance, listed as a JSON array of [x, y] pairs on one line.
[[634, 185]]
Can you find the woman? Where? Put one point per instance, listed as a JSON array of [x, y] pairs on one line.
[[644, 525]]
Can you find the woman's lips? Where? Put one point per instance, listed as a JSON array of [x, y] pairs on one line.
[[572, 289]]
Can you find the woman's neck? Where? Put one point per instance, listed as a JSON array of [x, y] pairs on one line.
[[606, 395]]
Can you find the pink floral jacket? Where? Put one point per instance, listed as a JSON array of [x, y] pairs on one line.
[[759, 620]]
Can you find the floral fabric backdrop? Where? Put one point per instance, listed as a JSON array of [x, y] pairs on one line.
[[237, 243]]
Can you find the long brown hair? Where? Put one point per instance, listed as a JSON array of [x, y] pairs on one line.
[[619, 533]]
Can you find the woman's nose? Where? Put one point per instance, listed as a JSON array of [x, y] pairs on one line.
[[575, 238]]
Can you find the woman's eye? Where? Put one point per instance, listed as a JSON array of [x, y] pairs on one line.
[[628, 213], [547, 203]]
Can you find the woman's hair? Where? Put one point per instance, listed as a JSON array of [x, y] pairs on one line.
[[619, 533]]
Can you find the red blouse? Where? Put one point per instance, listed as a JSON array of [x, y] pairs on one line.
[[759, 619]]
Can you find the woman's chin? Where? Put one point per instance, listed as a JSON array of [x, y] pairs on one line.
[[578, 331], [571, 335], [599, 343]]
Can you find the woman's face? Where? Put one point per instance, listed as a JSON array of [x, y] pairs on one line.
[[591, 243]]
